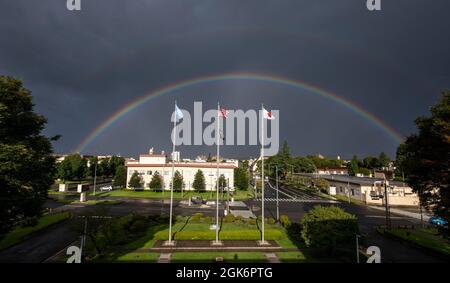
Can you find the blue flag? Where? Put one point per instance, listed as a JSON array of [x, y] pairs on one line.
[[178, 113]]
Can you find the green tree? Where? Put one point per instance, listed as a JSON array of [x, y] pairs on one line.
[[303, 165], [157, 182], [114, 162], [353, 167], [26, 166], [424, 158], [329, 227], [241, 178], [222, 182], [199, 181], [321, 184], [120, 177], [383, 160], [93, 162], [135, 181], [178, 182], [73, 167], [104, 168], [284, 159]]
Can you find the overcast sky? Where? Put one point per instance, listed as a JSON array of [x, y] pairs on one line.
[[84, 66]]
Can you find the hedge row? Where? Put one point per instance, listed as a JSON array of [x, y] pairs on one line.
[[270, 234]]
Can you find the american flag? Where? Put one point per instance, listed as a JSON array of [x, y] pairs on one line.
[[223, 112]]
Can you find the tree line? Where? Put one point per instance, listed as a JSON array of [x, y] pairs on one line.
[[157, 182], [76, 167]]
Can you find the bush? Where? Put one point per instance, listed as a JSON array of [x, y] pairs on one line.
[[196, 218], [252, 221], [328, 228], [271, 221], [229, 218], [207, 219], [139, 225], [284, 220]]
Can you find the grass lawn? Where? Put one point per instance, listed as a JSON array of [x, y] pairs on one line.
[[229, 231], [19, 234], [291, 257], [427, 238], [206, 257], [95, 202], [128, 258], [345, 199], [239, 195]]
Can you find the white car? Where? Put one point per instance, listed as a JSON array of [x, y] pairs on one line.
[[106, 188]]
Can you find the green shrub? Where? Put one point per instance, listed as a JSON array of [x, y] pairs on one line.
[[284, 220], [252, 221], [207, 219], [329, 227], [197, 217], [271, 221], [139, 225], [229, 218]]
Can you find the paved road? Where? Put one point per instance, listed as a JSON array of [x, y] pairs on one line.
[[368, 219], [52, 240]]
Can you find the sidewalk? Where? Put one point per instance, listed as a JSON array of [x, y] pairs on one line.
[[402, 212]]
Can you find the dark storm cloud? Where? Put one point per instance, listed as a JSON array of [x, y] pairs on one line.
[[83, 66]]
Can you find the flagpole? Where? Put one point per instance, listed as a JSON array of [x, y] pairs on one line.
[[217, 178], [262, 173], [173, 169]]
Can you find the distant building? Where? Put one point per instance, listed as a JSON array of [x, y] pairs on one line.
[[371, 190], [149, 164], [175, 156], [332, 170]]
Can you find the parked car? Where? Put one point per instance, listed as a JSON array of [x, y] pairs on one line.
[[196, 200], [438, 221], [106, 188]]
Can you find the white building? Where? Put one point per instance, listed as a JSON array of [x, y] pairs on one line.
[[149, 164], [332, 170], [371, 190]]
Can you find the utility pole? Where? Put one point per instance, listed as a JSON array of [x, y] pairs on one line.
[[348, 192], [357, 248], [278, 207], [95, 174], [388, 220]]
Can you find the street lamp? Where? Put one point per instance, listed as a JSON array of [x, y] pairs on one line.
[[278, 206], [95, 174], [385, 183], [357, 247]]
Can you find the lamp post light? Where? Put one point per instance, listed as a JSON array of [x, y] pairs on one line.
[[95, 175], [276, 182], [385, 184], [357, 247]]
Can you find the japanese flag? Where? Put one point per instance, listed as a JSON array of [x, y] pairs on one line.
[[268, 115]]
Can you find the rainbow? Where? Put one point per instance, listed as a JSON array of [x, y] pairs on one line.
[[107, 123]]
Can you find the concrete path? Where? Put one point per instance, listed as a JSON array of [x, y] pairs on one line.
[[272, 258], [399, 211], [164, 258]]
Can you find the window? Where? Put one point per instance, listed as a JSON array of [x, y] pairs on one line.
[[353, 192], [149, 172]]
